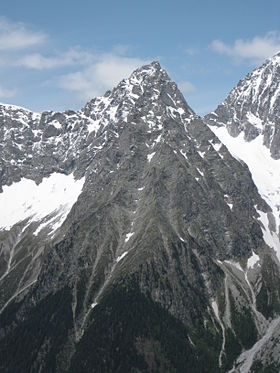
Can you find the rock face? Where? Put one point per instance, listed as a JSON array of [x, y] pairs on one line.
[[253, 107], [162, 263]]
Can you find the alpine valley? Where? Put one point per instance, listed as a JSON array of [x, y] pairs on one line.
[[136, 236]]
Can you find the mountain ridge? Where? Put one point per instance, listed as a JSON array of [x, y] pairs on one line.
[[167, 221]]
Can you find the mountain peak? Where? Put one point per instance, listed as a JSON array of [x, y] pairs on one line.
[[253, 106], [275, 58], [133, 200], [155, 64], [148, 89], [150, 72], [151, 67]]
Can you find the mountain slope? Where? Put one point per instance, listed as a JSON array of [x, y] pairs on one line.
[[161, 263], [248, 123]]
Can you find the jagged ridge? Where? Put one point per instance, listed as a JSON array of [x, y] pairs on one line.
[[167, 213]]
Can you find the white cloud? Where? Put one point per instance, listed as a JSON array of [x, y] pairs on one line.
[[15, 36], [103, 74], [89, 73], [7, 93], [254, 50], [186, 87], [74, 56]]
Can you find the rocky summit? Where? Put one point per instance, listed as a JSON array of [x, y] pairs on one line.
[[253, 107], [136, 236]]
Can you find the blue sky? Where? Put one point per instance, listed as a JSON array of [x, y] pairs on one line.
[[59, 54]]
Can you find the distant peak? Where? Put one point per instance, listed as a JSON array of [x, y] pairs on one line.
[[152, 71], [153, 67], [275, 58], [155, 64]]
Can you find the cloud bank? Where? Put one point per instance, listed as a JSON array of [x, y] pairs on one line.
[[16, 36], [86, 73], [101, 75], [254, 50]]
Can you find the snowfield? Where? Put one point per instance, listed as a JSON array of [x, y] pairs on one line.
[[265, 173], [50, 201]]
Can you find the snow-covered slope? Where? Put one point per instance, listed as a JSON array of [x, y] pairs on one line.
[[47, 203], [266, 175]]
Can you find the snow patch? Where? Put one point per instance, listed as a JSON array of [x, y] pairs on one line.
[[215, 308], [184, 154], [253, 119], [174, 113], [121, 256], [25, 200], [274, 97], [202, 154], [201, 173], [157, 140], [253, 260], [150, 156], [127, 237], [93, 125], [270, 237], [234, 264], [56, 124]]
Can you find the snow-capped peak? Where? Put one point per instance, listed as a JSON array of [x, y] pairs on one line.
[[146, 87], [253, 106]]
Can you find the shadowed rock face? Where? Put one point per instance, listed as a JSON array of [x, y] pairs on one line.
[[149, 270]]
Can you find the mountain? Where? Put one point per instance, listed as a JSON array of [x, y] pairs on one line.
[[248, 123], [253, 107], [137, 243]]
